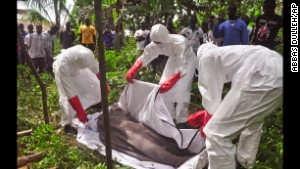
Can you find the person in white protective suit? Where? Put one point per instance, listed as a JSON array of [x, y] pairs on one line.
[[256, 74], [77, 76], [181, 65]]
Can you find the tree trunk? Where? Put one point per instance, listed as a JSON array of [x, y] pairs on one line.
[[37, 77], [119, 24], [148, 17], [104, 101], [57, 13]]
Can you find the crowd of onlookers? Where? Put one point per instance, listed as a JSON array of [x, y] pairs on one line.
[[233, 31], [40, 45]]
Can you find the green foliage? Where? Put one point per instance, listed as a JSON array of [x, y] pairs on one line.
[[270, 150], [279, 48], [196, 98], [117, 64], [56, 153], [80, 3], [29, 98], [57, 46], [117, 83]]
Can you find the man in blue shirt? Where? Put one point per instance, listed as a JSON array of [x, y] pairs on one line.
[[234, 30], [108, 37]]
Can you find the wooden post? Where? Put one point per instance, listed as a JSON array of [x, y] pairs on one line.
[[104, 101], [24, 133], [21, 161]]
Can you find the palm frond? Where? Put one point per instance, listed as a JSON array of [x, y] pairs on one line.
[[35, 18], [129, 10], [39, 6]]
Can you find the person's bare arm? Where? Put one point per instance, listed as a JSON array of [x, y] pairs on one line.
[[94, 39]]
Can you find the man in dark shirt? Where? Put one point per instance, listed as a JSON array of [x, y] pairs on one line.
[[22, 31], [267, 26], [21, 59], [50, 47], [67, 37]]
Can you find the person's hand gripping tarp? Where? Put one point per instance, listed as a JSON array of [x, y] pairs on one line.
[[131, 74], [198, 119], [81, 114], [169, 83], [77, 106]]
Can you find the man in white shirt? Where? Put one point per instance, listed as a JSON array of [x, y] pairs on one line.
[[37, 48], [193, 34], [140, 36]]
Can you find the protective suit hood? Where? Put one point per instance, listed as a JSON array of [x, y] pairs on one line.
[[80, 53], [203, 48], [159, 33]]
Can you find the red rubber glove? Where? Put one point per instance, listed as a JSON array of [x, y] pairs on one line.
[[98, 75], [77, 106], [131, 74], [107, 86], [169, 83], [198, 119], [206, 119]]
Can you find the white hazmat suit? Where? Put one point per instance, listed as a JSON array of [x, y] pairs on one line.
[[255, 73], [181, 59], [75, 72]]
